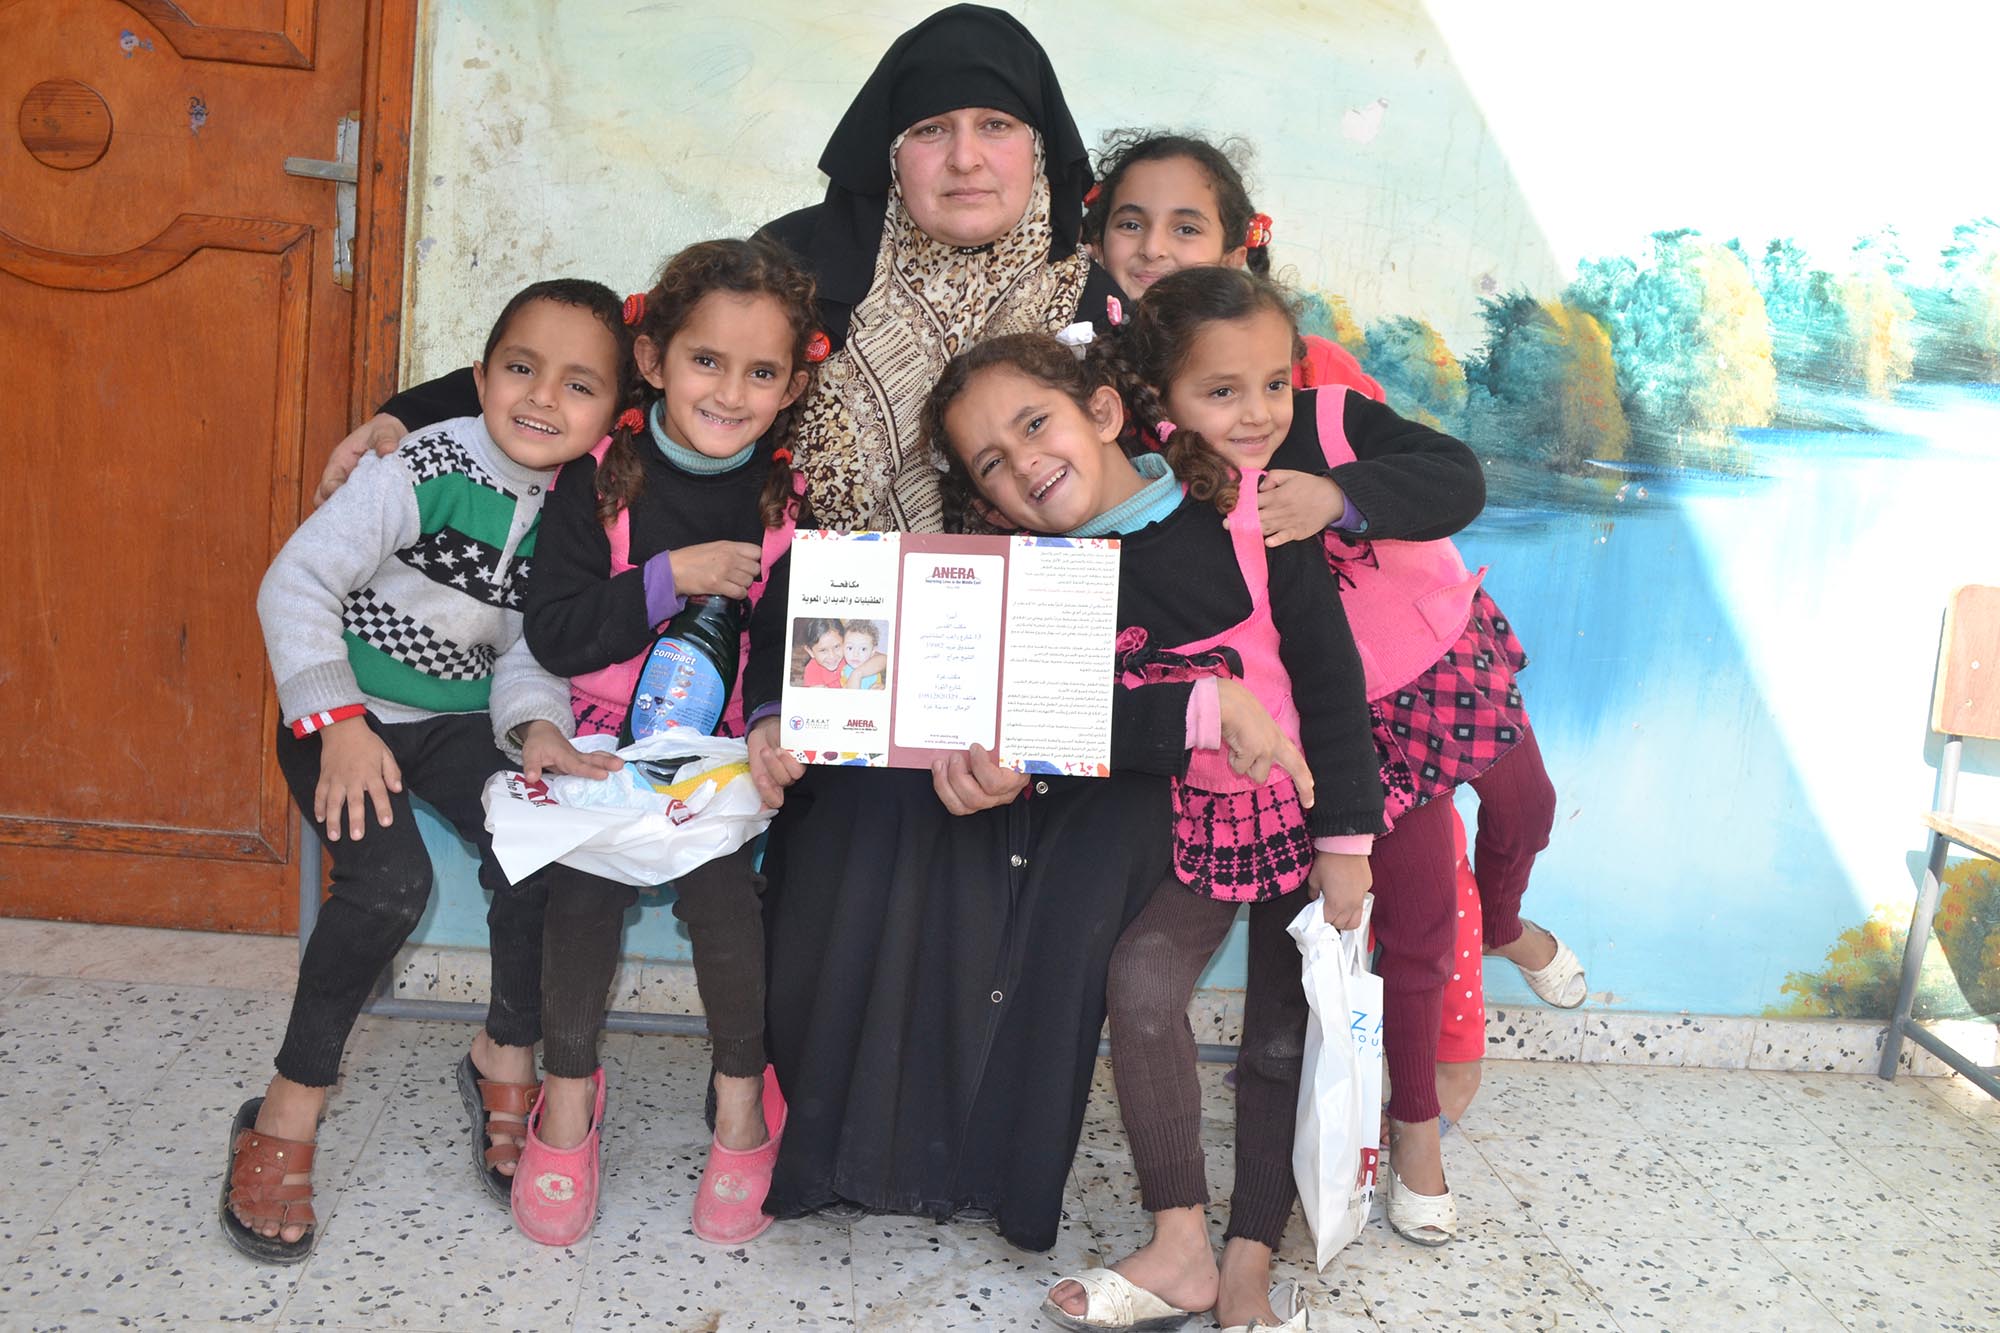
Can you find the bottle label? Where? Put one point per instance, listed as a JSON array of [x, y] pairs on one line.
[[678, 688]]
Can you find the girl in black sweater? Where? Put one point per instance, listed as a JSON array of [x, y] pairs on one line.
[[692, 495]]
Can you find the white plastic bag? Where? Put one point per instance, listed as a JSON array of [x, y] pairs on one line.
[[682, 799], [1338, 1138]]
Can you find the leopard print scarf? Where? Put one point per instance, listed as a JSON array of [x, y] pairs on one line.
[[860, 438]]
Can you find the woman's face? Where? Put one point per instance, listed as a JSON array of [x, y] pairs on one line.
[[967, 174]]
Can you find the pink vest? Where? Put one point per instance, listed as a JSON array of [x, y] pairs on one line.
[[607, 693], [1407, 602]]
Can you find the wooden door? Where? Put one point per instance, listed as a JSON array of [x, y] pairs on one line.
[[179, 357]]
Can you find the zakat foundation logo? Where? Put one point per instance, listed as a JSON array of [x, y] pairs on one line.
[[796, 723], [959, 575]]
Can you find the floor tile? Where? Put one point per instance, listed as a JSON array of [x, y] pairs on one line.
[[105, 1323], [1820, 1045], [1868, 1110], [1814, 1190], [1489, 1281], [1896, 1288], [1709, 1105], [1968, 1101], [911, 1275], [1660, 1284], [137, 953], [142, 1245], [8, 981], [1595, 1186], [1526, 1097], [429, 1249], [645, 1269], [1951, 1193]]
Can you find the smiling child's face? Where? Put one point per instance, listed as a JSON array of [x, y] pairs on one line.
[[826, 650]]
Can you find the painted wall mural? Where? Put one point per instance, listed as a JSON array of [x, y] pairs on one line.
[[1732, 359]]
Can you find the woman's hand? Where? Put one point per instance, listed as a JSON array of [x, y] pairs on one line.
[[725, 568], [1254, 742], [772, 768], [354, 766], [1292, 506], [544, 749], [1340, 883], [379, 434], [972, 781]]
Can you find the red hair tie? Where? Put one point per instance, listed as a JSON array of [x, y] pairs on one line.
[[1090, 196], [635, 308], [818, 348], [1260, 231], [631, 419], [782, 456]]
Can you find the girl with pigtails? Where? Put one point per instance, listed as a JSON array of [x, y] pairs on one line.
[[692, 495]]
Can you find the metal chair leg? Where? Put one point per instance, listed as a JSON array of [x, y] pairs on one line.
[[1913, 956]]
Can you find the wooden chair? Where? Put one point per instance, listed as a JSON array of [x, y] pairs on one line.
[[1965, 702]]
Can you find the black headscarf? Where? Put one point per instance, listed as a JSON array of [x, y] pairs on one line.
[[967, 55]]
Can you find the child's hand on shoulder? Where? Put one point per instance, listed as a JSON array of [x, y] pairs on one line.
[[712, 568], [354, 767], [544, 749], [1292, 506], [772, 767], [1340, 883], [1254, 742]]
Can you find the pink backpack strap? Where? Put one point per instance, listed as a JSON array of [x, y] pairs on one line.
[[1332, 420], [1246, 535], [778, 540]]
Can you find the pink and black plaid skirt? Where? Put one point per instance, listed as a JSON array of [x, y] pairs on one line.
[[1452, 723], [1241, 846]]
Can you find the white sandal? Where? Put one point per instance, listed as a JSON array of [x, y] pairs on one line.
[[1425, 1219], [1115, 1303], [1298, 1321], [1561, 983]]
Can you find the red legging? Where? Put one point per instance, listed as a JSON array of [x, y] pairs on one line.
[[1415, 899]]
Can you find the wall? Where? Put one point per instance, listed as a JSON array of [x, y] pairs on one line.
[[1732, 485]]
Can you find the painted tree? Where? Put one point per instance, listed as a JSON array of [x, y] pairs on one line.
[[1326, 315], [1804, 308], [1417, 371], [1545, 387], [1959, 319], [1877, 318], [1690, 339], [1960, 976]]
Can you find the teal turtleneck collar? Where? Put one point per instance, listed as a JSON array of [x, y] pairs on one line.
[[1154, 501], [686, 459]]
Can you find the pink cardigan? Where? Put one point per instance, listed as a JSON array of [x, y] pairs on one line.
[[1411, 603]]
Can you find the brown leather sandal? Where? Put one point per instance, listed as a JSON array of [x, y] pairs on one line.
[[254, 1192], [483, 1097]]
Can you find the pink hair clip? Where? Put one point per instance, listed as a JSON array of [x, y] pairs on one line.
[[1164, 431]]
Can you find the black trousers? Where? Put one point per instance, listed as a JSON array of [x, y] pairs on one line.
[[720, 904], [382, 881]]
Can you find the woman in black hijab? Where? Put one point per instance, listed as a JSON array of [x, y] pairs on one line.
[[936, 986]]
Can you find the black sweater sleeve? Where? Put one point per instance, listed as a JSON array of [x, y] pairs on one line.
[[1410, 482], [764, 674], [576, 619], [1149, 728], [1335, 728], [441, 399]]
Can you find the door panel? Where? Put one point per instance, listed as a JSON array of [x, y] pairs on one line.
[[168, 291]]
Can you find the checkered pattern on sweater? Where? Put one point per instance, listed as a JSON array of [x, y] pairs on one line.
[[379, 625]]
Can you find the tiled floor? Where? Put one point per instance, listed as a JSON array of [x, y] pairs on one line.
[[1594, 1197]]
